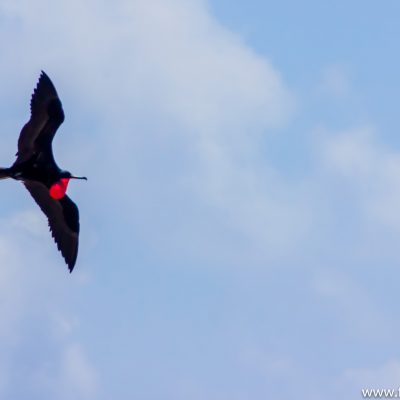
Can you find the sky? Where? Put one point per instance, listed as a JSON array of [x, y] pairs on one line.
[[240, 225]]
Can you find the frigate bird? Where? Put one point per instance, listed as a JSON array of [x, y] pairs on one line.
[[36, 168]]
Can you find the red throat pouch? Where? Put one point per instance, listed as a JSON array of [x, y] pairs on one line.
[[57, 190]]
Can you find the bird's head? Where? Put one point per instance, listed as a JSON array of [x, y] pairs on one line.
[[58, 189], [68, 175]]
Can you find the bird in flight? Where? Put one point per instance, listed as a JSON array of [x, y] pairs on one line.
[[36, 168]]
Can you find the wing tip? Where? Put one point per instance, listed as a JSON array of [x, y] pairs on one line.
[[70, 261], [44, 79], [43, 75], [71, 258]]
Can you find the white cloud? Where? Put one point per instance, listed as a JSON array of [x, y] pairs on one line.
[[69, 376], [11, 289], [33, 317], [353, 304], [281, 375], [350, 153], [78, 379], [167, 84], [372, 169], [31, 221], [335, 81]]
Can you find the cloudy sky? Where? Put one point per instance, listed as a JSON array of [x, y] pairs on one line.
[[240, 228]]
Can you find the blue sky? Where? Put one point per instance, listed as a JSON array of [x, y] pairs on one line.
[[240, 225]]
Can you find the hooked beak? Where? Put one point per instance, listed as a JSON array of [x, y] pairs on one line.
[[79, 177]]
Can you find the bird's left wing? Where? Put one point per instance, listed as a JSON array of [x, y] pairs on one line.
[[46, 116], [63, 218]]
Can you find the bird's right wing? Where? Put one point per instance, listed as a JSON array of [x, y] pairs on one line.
[[63, 218], [46, 116]]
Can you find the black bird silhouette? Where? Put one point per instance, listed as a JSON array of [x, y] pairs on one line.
[[36, 168]]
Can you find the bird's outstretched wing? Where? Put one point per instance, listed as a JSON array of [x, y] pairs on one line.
[[63, 217], [46, 116]]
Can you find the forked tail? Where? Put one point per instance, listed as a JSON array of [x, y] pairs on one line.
[[4, 173]]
